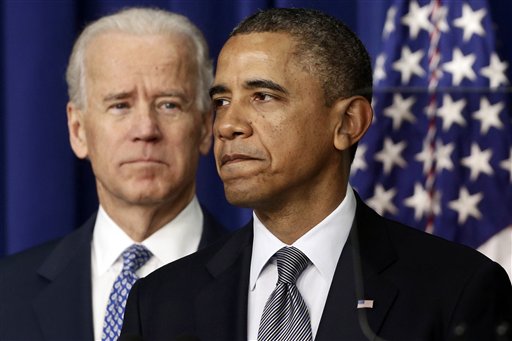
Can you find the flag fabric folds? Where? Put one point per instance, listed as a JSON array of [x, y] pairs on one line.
[[438, 155]]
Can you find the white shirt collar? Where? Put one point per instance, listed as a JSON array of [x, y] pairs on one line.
[[179, 237], [322, 244]]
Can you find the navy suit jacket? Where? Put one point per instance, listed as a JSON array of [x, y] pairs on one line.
[[423, 288], [45, 292]]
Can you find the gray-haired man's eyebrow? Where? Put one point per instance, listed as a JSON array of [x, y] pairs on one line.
[[117, 96]]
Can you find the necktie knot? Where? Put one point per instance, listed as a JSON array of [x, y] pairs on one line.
[[290, 264], [134, 257]]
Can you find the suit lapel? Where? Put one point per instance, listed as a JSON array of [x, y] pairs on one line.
[[64, 307], [376, 254], [339, 320], [221, 308], [367, 253]]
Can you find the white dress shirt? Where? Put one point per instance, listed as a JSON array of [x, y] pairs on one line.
[[174, 240], [322, 245]]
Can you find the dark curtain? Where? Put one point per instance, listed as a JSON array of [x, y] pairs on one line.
[[45, 192]]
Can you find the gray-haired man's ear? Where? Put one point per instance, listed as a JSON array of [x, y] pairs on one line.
[[206, 132], [76, 130]]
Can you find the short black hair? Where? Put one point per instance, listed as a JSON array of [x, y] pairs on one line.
[[325, 47]]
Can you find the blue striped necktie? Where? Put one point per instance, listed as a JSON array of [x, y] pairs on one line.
[[286, 316], [134, 257]]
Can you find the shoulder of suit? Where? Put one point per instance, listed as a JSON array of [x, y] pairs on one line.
[[421, 246], [30, 260]]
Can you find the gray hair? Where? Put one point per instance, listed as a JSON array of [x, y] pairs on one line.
[[140, 21]]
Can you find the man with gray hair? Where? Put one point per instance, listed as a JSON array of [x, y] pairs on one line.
[[139, 111]]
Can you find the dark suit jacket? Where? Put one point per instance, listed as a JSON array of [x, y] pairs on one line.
[[423, 287], [45, 292]]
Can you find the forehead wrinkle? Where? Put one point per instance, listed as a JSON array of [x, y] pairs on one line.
[[172, 93]]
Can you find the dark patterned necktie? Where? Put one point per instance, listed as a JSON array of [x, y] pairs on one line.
[[286, 316], [134, 257]]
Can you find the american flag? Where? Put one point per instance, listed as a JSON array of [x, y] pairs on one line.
[[438, 155]]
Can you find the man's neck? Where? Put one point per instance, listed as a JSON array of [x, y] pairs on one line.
[[141, 221], [292, 220]]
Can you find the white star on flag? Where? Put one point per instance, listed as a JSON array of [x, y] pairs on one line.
[[389, 25], [379, 72], [451, 112], [461, 66], [391, 155], [439, 18], [466, 205], [507, 164], [359, 162], [417, 19], [495, 71], [409, 64], [421, 202], [400, 110], [425, 156], [382, 200], [470, 22], [488, 115], [478, 162], [443, 156]]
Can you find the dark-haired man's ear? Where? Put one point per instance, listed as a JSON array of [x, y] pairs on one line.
[[354, 118]]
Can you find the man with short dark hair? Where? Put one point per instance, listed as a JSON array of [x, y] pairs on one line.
[[292, 96]]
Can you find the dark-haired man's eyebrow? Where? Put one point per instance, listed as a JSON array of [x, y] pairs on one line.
[[218, 89], [265, 84]]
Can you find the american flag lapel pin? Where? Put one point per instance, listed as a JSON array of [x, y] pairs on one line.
[[361, 304]]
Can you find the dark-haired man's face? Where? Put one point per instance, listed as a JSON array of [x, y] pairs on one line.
[[273, 132]]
